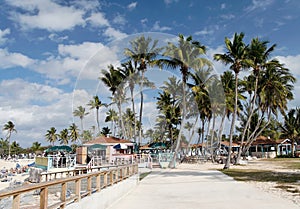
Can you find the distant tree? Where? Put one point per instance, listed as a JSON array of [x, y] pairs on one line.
[[105, 131], [51, 135], [10, 128], [81, 113], [64, 136], [36, 146], [95, 103], [74, 133]]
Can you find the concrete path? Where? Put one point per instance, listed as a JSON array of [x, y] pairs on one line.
[[197, 189]]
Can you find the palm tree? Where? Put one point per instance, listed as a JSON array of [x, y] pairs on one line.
[[257, 55], [95, 103], [36, 146], [185, 56], [143, 53], [74, 133], [112, 116], [80, 112], [64, 136], [132, 77], [291, 126], [10, 128], [113, 79], [105, 131], [51, 135], [235, 57]]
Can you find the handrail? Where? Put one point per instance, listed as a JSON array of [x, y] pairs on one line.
[[110, 177]]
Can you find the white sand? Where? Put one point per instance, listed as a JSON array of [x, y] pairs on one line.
[[8, 164]]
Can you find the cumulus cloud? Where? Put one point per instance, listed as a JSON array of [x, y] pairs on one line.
[[56, 38], [292, 63], [113, 33], [11, 59], [46, 15], [4, 33], [98, 20]]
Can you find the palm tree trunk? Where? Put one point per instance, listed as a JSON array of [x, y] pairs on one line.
[[141, 107], [227, 165], [251, 110], [133, 110], [221, 128], [97, 119], [9, 146]]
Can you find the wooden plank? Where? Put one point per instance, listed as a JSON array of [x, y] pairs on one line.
[[89, 185], [78, 189], [44, 198], [63, 194], [98, 183]]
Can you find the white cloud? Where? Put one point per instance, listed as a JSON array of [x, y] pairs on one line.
[[132, 5], [98, 20], [259, 4], [223, 6], [46, 15], [119, 19], [167, 2], [10, 59], [157, 27], [292, 63], [4, 33], [205, 32], [56, 38], [112, 33], [227, 16]]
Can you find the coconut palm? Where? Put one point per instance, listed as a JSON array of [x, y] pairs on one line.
[[95, 103], [236, 57], [10, 128], [74, 133], [36, 146], [112, 116], [143, 53], [81, 113], [258, 58], [291, 126], [64, 136], [185, 56], [113, 79], [51, 135]]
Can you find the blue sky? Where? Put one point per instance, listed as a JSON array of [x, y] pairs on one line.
[[47, 49]]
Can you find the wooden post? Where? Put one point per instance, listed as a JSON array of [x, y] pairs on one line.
[[44, 198], [16, 201], [98, 182], [63, 194], [105, 179], [89, 185], [78, 189], [111, 177]]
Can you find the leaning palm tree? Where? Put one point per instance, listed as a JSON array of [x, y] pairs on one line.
[[236, 57], [112, 116], [185, 56], [95, 103], [10, 128], [143, 53], [74, 133], [81, 113], [51, 135]]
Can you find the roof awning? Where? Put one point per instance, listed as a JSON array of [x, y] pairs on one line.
[[120, 146], [59, 148], [97, 147]]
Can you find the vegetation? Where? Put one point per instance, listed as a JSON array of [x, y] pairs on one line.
[[190, 107]]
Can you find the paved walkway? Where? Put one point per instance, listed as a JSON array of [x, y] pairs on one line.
[[195, 189]]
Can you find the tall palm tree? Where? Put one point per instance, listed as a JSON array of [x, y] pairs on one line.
[[74, 133], [81, 113], [51, 135], [64, 136], [114, 80], [185, 56], [143, 53], [95, 103], [10, 128], [132, 77], [236, 57], [258, 58]]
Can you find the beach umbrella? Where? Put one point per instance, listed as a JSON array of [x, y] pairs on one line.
[[59, 148], [120, 146]]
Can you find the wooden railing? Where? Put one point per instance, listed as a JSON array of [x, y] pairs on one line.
[[82, 185]]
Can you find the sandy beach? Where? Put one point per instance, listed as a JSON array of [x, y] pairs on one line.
[[8, 165]]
